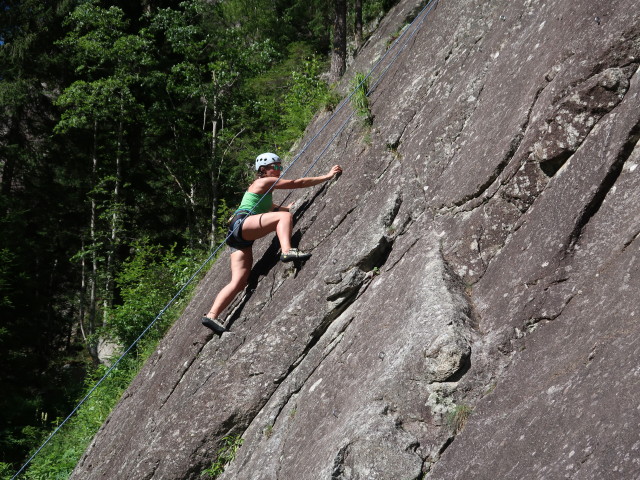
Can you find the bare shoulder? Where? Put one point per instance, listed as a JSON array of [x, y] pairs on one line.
[[261, 185]]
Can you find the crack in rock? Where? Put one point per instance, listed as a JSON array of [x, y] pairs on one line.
[[605, 186], [569, 123]]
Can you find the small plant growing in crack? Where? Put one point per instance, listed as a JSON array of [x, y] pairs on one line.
[[490, 389], [394, 36], [224, 456], [331, 100], [268, 431], [393, 148], [458, 417], [468, 288], [292, 413], [360, 101]]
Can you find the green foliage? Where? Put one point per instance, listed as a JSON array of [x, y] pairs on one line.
[[360, 100], [281, 101], [309, 19], [223, 214], [225, 455], [6, 472], [305, 95], [395, 35], [252, 18], [6, 260], [58, 459], [130, 123], [457, 418], [147, 280], [109, 61]]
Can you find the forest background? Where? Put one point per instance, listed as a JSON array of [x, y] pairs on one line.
[[128, 133]]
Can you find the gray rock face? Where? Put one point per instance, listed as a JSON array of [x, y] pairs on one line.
[[471, 306]]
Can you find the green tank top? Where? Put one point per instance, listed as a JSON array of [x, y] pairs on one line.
[[251, 200]]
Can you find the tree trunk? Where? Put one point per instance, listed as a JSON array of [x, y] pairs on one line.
[[115, 229], [9, 160], [83, 289], [339, 47], [358, 23], [213, 173], [214, 182], [91, 342]]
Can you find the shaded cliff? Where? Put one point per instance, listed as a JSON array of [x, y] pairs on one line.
[[478, 258]]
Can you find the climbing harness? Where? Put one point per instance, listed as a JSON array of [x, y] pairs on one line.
[[421, 16]]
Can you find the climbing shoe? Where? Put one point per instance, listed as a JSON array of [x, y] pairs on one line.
[[214, 325], [294, 254]]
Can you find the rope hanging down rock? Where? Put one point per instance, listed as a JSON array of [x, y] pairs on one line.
[[416, 23]]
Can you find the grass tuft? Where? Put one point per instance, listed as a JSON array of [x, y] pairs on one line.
[[224, 456], [360, 100], [458, 417]]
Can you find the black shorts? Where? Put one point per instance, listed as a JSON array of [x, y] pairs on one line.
[[234, 233]]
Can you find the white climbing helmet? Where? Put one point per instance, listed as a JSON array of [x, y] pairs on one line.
[[265, 159]]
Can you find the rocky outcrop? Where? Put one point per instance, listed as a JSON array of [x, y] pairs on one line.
[[470, 309]]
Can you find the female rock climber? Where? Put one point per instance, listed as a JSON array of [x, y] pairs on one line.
[[256, 217]]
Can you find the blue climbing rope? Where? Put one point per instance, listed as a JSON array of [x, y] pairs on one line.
[[418, 21]]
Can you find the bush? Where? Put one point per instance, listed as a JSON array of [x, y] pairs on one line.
[[60, 456], [305, 96], [148, 279]]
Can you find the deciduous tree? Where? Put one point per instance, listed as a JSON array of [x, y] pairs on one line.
[[339, 42]]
